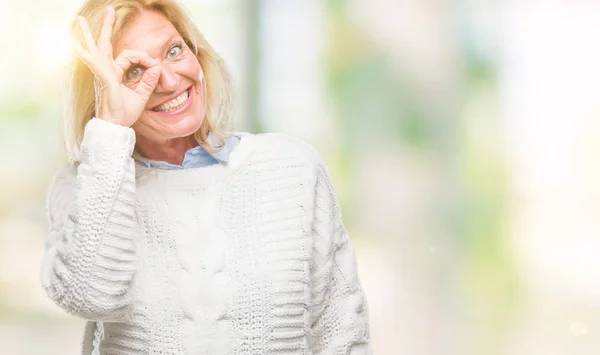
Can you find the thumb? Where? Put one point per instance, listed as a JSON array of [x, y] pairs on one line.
[[149, 81]]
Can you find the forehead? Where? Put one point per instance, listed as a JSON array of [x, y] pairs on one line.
[[147, 32]]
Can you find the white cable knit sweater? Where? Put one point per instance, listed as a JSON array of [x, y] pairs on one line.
[[246, 258]]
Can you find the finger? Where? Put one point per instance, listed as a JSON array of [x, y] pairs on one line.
[[87, 34], [104, 41], [127, 58], [82, 53], [126, 54], [126, 63], [89, 61], [86, 57], [149, 81]]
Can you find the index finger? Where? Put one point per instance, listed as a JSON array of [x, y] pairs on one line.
[[86, 35], [104, 41], [128, 57]]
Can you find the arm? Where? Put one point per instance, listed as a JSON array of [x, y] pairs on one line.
[[339, 312], [89, 261]]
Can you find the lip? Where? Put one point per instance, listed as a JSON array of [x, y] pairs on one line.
[[183, 108]]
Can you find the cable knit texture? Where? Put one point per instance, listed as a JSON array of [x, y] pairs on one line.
[[246, 258]]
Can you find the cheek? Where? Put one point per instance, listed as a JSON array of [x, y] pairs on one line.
[[190, 68], [146, 126]]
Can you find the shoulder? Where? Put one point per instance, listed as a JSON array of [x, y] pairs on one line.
[[282, 154], [284, 145]]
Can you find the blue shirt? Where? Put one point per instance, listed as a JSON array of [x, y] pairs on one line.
[[196, 157]]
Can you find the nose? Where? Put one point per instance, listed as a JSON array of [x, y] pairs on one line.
[[168, 81]]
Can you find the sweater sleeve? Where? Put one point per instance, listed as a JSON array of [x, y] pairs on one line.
[[339, 311], [89, 261]]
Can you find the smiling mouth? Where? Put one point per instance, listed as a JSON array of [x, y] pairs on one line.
[[174, 104]]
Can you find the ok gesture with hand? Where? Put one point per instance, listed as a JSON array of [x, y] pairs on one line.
[[115, 101]]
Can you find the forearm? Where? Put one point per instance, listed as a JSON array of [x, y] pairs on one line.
[[90, 257], [339, 310], [340, 317]]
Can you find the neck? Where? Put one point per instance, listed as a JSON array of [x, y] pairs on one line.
[[172, 151]]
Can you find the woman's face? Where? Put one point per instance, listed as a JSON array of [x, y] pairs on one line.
[[177, 106]]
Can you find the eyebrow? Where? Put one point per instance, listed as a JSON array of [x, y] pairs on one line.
[[169, 41], [163, 47]]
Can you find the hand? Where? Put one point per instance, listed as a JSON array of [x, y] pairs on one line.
[[115, 101]]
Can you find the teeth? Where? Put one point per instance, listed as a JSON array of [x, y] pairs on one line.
[[175, 103]]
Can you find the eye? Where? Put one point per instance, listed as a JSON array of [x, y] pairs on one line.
[[134, 73], [174, 51]]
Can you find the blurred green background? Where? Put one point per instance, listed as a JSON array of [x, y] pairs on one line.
[[462, 137]]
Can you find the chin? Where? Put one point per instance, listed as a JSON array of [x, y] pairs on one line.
[[182, 128], [185, 127], [167, 129]]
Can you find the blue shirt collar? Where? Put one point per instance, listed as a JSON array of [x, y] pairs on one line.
[[196, 157]]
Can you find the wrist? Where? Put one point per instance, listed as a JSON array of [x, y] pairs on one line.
[[117, 121], [103, 115], [102, 134]]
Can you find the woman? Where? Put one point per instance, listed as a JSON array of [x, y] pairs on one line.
[[172, 236]]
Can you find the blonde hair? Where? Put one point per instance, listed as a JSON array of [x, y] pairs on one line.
[[79, 95]]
